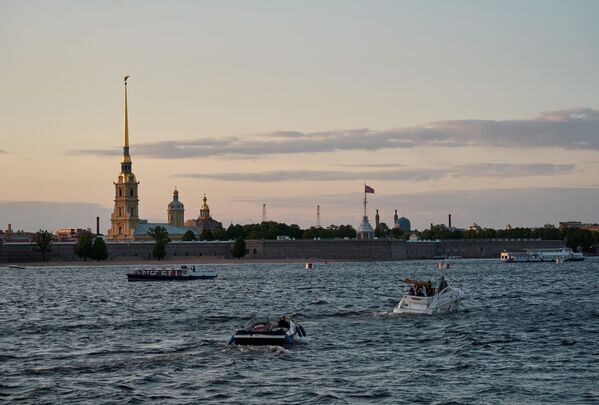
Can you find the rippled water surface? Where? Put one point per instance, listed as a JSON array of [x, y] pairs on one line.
[[525, 333]]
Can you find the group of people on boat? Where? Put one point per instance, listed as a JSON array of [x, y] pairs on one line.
[[424, 288]]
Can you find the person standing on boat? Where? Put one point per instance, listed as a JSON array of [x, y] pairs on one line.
[[283, 322], [442, 284]]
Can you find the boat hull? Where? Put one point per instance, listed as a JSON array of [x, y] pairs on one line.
[[278, 336], [437, 304], [262, 340]]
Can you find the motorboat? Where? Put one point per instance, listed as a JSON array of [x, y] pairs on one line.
[[260, 331], [182, 273], [422, 298]]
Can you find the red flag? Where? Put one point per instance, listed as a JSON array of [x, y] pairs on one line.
[[368, 189]]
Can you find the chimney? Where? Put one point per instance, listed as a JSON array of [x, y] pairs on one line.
[[97, 225], [9, 229], [450, 220], [377, 219]]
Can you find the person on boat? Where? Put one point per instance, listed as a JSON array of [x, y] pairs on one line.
[[283, 322], [442, 284], [429, 289]]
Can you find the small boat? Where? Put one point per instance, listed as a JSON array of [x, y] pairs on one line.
[[183, 273], [309, 266], [15, 266], [260, 331], [421, 298]]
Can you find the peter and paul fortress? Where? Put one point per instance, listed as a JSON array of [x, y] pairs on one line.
[[125, 222]]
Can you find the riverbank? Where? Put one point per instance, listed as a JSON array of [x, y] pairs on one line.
[[125, 261]]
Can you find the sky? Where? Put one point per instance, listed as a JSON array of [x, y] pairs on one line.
[[485, 110]]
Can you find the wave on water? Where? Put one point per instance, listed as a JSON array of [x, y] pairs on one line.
[[85, 335]]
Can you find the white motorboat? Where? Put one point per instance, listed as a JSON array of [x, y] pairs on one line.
[[421, 298]]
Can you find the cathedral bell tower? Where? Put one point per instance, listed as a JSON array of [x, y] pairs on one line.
[[125, 217]]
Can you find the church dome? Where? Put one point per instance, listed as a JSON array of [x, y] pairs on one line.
[[175, 204]]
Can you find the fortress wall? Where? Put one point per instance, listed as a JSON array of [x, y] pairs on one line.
[[488, 248], [335, 249], [324, 249]]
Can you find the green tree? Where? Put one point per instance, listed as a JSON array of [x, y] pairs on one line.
[[99, 251], [206, 235], [382, 231], [43, 242], [159, 233], [220, 234], [188, 236], [159, 249], [239, 248], [396, 233], [83, 247]]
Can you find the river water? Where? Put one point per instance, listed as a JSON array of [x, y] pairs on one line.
[[526, 333]]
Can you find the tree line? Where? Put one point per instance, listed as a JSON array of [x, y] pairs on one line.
[[574, 237], [271, 230]]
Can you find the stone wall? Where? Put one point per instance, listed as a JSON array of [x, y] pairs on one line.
[[289, 249]]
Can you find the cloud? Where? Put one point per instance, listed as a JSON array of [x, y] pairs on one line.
[[565, 129], [469, 170], [3, 151]]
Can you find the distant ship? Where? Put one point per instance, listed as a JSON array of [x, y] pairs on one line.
[[183, 273], [542, 255]]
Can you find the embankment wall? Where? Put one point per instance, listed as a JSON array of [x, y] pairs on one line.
[[288, 249]]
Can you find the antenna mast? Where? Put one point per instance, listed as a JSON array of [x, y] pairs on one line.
[[318, 225]]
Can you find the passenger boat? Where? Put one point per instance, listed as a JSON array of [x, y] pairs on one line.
[[182, 273], [542, 255], [260, 331], [421, 298]]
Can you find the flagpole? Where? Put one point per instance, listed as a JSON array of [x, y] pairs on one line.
[[364, 200]]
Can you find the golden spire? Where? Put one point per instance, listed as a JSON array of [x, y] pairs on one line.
[[126, 156]]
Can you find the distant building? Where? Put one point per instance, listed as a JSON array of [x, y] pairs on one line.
[[176, 211], [175, 225], [204, 222], [365, 231], [125, 221], [69, 234], [10, 235], [570, 224]]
